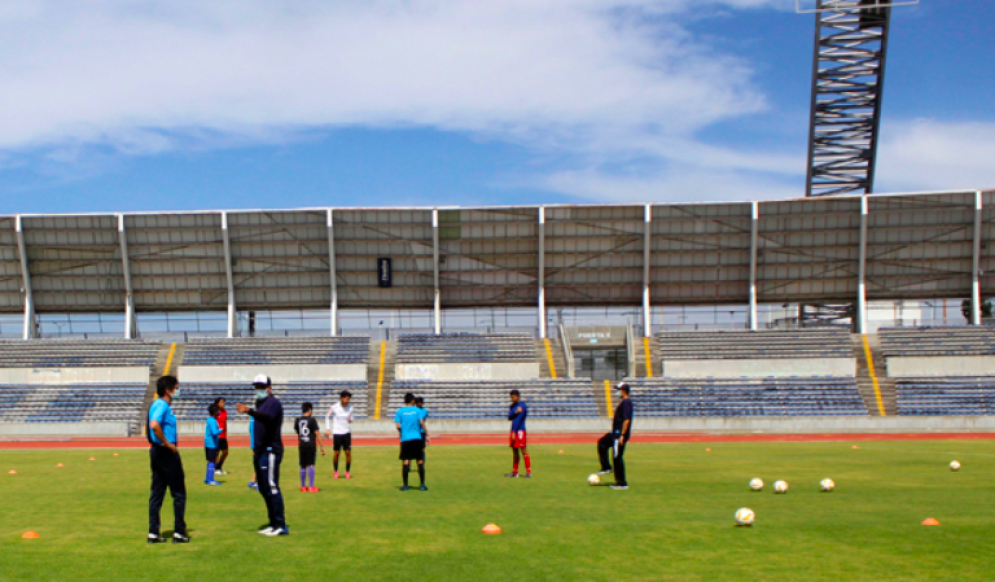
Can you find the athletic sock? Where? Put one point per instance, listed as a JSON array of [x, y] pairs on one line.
[[405, 469], [528, 464], [348, 466], [335, 464], [421, 473], [210, 472], [303, 476], [514, 467], [310, 475]]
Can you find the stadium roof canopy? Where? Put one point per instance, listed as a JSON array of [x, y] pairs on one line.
[[894, 246]]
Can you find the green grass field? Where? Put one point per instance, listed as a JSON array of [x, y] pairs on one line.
[[676, 521]]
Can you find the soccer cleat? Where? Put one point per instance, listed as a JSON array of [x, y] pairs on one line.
[[277, 531], [512, 475], [266, 530], [212, 482], [335, 475], [403, 488], [156, 539], [179, 538], [252, 485], [347, 475], [619, 487], [423, 488], [220, 472], [527, 475], [604, 472]]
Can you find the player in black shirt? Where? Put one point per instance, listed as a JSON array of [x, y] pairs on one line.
[[308, 441], [617, 438]]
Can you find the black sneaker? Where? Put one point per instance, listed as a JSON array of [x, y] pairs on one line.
[[423, 488], [179, 538], [512, 475], [403, 488], [156, 539], [527, 476]]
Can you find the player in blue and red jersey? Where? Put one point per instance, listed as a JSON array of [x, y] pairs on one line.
[[517, 413]]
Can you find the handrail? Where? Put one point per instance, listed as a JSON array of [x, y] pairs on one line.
[[630, 350]]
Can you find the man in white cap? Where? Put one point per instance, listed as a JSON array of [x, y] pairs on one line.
[[267, 453]]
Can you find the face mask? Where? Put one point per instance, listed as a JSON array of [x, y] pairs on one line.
[[176, 394], [261, 394]]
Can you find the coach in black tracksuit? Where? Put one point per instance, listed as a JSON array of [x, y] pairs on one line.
[[268, 452], [618, 438]]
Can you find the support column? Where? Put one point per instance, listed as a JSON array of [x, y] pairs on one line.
[[30, 326], [437, 302], [129, 301], [754, 230], [647, 234], [542, 273], [976, 263], [862, 270], [332, 273], [232, 311]]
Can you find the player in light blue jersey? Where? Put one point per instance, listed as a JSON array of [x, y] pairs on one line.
[[410, 421]]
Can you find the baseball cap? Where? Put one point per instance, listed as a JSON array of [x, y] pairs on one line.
[[262, 379], [622, 386]]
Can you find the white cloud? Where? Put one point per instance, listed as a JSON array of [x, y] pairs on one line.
[[926, 154]]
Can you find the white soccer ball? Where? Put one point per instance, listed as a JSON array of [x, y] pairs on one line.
[[745, 516], [954, 465], [594, 479], [780, 486], [757, 484], [827, 484]]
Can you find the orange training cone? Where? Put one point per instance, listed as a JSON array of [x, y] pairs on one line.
[[930, 521], [854, 446], [59, 465], [708, 450], [561, 452], [491, 529], [115, 454], [12, 472], [93, 459], [29, 535]]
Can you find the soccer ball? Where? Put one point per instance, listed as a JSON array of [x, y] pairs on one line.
[[954, 465], [780, 486], [745, 516], [827, 484], [594, 479], [757, 484]]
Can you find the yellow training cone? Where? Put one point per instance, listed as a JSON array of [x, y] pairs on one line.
[[491, 529], [29, 535]]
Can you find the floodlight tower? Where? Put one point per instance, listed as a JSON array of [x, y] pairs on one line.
[[851, 42]]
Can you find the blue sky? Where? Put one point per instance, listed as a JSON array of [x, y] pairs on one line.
[[125, 106]]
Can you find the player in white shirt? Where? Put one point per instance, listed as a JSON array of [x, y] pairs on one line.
[[337, 425]]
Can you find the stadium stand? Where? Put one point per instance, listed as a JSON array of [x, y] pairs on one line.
[[465, 347], [196, 397], [963, 340], [747, 397], [710, 345], [546, 398], [946, 396], [302, 350], [70, 403], [59, 353]]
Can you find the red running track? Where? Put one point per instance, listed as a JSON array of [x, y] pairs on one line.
[[502, 439]]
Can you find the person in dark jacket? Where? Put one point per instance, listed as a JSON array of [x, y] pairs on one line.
[[267, 453], [616, 440]]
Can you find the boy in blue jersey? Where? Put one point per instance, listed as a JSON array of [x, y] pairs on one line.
[[517, 413], [411, 425], [212, 441]]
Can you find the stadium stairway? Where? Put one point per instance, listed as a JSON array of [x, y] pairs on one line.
[[865, 383], [559, 361], [373, 376], [653, 356], [158, 371]]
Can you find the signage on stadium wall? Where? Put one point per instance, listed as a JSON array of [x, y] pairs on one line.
[[596, 336], [385, 276]]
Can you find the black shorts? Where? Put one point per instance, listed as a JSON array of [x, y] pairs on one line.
[[223, 444], [413, 450], [211, 454], [308, 455], [342, 442]]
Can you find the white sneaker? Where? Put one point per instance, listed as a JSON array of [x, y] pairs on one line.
[[266, 530], [219, 472], [278, 531]]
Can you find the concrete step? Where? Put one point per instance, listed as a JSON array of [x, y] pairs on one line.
[[373, 376], [654, 357], [865, 383], [559, 361]]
